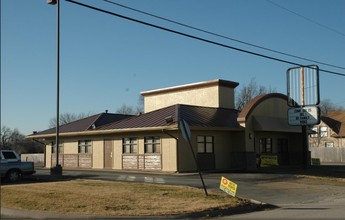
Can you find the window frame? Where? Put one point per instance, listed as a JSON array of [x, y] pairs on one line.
[[130, 145], [84, 147], [316, 134], [53, 148], [323, 133], [154, 142], [203, 143], [329, 144], [266, 145]]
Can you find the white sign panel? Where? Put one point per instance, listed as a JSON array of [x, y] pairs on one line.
[[304, 116]]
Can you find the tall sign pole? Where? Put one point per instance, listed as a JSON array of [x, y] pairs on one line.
[[305, 146], [302, 85]]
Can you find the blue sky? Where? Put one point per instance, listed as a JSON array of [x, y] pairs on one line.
[[107, 61]]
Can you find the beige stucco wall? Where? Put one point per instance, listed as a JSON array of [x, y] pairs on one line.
[[272, 107], [225, 143], [276, 107], [168, 150], [169, 154], [213, 96], [48, 156], [70, 146], [186, 161], [117, 158], [97, 153], [198, 96], [226, 97]]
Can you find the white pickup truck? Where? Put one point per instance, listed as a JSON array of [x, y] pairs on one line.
[[11, 168]]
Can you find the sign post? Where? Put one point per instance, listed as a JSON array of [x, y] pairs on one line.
[[228, 186], [187, 136], [303, 98]]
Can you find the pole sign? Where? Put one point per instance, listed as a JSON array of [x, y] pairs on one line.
[[303, 95], [309, 115], [303, 86]]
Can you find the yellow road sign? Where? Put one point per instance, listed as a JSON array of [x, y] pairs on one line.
[[228, 186]]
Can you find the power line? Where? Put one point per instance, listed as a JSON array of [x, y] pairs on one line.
[[306, 18], [222, 36], [199, 38]]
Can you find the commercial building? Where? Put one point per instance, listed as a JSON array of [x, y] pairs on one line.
[[221, 137]]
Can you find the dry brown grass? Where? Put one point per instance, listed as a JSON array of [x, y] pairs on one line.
[[106, 198]]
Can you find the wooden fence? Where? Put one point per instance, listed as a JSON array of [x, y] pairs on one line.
[[329, 154]]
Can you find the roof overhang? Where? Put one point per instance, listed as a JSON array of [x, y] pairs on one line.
[[101, 132]]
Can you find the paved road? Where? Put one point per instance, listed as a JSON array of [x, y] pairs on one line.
[[296, 197]]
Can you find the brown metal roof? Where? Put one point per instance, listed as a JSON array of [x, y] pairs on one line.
[[194, 115], [208, 117], [336, 121], [85, 123]]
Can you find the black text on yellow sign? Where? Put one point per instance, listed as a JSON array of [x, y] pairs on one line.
[[228, 186]]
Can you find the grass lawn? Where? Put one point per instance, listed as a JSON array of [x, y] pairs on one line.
[[107, 198]]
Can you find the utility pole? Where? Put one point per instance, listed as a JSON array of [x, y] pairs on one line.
[[57, 170]]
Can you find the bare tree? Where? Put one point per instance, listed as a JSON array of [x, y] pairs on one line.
[[140, 107], [250, 91], [126, 109], [130, 110], [327, 106], [5, 142], [14, 140], [66, 118]]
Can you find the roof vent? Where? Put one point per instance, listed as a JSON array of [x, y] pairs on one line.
[[169, 119]]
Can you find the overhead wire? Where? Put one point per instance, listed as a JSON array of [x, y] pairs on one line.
[[306, 18], [198, 38], [222, 36]]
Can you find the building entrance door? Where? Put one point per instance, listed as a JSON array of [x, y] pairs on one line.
[[283, 151], [108, 154]]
